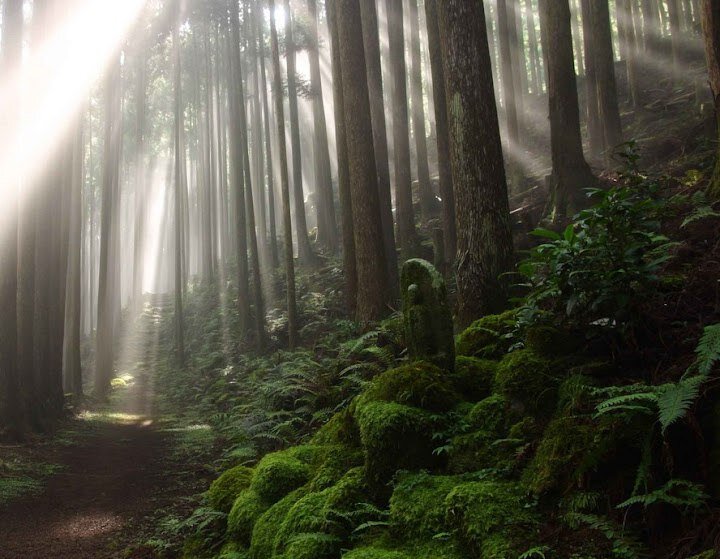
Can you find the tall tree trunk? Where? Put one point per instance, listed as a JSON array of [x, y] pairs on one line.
[[327, 224], [107, 294], [626, 23], [676, 36], [348, 234], [571, 172], [305, 253], [711, 30], [179, 164], [274, 257], [372, 293], [507, 36], [483, 214], [442, 130], [577, 36], [427, 198], [535, 69], [284, 180], [407, 235], [594, 125], [608, 105], [140, 193], [371, 42], [11, 402], [236, 72]]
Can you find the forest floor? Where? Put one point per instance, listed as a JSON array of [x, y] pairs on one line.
[[90, 490]]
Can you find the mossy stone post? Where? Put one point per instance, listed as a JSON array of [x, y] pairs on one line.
[[426, 314]]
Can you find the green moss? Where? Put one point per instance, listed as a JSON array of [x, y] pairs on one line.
[[336, 463], [375, 553], [225, 489], [574, 393], [266, 527], [709, 554], [417, 384], [340, 430], [278, 474], [312, 546], [473, 378], [248, 507], [315, 512], [570, 447], [487, 337], [395, 437], [417, 505], [426, 314], [232, 550], [491, 518], [528, 380], [551, 342], [475, 449]]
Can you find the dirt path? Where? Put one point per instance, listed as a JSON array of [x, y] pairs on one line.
[[110, 481]]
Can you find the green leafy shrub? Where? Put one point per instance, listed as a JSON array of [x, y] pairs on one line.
[[225, 489], [278, 474]]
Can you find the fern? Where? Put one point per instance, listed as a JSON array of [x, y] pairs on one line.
[[700, 213], [535, 552], [708, 350], [677, 492], [675, 399], [624, 546]]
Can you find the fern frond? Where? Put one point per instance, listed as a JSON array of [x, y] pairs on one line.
[[675, 399], [708, 349], [676, 492]]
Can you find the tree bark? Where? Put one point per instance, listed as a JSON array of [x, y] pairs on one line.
[[179, 163], [711, 31], [507, 36], [483, 215], [372, 295], [571, 173], [284, 179]]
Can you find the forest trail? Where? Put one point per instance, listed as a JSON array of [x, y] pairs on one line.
[[112, 477]]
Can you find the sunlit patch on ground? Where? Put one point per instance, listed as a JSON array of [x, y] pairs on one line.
[[87, 525], [111, 417]]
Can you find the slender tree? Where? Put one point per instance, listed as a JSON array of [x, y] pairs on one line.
[[507, 37], [284, 180], [571, 173], [179, 126], [483, 216], [405, 215], [442, 131]]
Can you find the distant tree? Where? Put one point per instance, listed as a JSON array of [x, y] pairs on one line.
[[284, 182], [571, 173], [442, 131], [405, 215], [372, 295], [179, 127], [508, 37], [711, 29], [483, 215]]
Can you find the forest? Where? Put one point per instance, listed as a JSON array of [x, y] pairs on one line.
[[359, 279]]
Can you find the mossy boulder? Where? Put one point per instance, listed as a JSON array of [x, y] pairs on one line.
[[375, 553], [225, 489], [314, 512], [492, 518], [278, 474], [487, 337], [341, 429], [426, 314], [528, 380], [549, 341], [248, 507], [473, 378], [232, 550], [418, 384], [395, 437], [312, 546], [266, 527], [417, 506], [336, 463], [570, 447]]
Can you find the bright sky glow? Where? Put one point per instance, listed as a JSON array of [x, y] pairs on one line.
[[53, 85]]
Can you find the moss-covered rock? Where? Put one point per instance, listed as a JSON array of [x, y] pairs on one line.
[[417, 506], [315, 512], [528, 380], [248, 507], [473, 378], [488, 337], [575, 393], [340, 430], [395, 437], [232, 550], [336, 463], [278, 474], [418, 384], [549, 341], [312, 546], [492, 518], [426, 314], [375, 553], [570, 446], [225, 489], [266, 527]]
